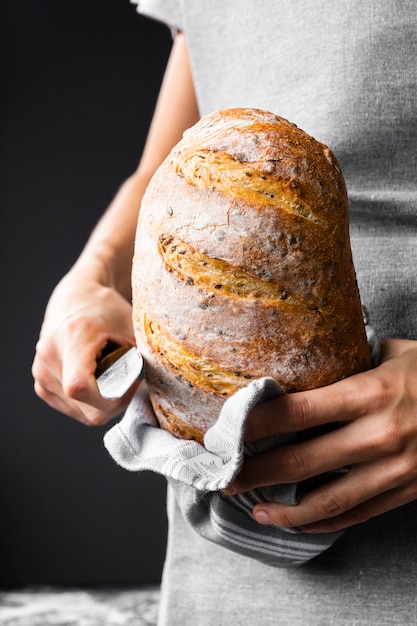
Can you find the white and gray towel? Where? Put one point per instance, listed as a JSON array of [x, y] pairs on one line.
[[198, 473]]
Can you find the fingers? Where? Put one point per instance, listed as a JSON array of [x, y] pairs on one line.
[[376, 437], [64, 368], [300, 461], [341, 402], [383, 457], [82, 317], [94, 412], [371, 438], [344, 446], [86, 413], [78, 363], [378, 505], [346, 501]]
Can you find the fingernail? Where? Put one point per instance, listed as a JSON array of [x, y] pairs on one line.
[[262, 517], [229, 491]]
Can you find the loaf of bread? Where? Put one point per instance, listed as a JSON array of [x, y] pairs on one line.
[[243, 268]]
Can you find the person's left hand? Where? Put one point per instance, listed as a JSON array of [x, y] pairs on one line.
[[376, 439]]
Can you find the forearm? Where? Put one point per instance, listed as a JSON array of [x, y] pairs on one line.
[[107, 255], [90, 307]]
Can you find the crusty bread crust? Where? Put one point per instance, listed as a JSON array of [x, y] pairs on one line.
[[243, 268]]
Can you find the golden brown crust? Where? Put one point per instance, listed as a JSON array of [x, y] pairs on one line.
[[221, 172], [198, 371], [243, 268], [174, 424]]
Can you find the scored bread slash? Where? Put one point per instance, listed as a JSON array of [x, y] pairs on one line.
[[117, 372]]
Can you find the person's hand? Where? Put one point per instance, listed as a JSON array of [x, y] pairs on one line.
[[82, 317], [376, 439]]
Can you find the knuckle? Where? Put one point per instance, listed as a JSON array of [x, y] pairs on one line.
[[80, 327], [73, 325], [41, 392], [394, 436], [43, 354], [95, 420], [294, 463], [39, 369], [406, 468], [36, 370], [330, 506], [75, 389], [379, 392], [94, 416], [301, 410]]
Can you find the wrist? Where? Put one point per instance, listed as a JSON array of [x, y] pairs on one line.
[[108, 254], [103, 267]]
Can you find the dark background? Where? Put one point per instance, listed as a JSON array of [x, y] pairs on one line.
[[79, 81]]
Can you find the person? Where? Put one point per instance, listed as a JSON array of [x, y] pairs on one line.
[[346, 73]]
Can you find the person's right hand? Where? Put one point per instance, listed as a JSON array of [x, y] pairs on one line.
[[82, 317]]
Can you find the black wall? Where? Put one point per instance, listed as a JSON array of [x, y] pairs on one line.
[[78, 85]]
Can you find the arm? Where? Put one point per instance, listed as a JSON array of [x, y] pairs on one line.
[[91, 305], [376, 439]]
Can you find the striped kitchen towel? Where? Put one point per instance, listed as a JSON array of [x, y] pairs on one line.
[[198, 473]]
